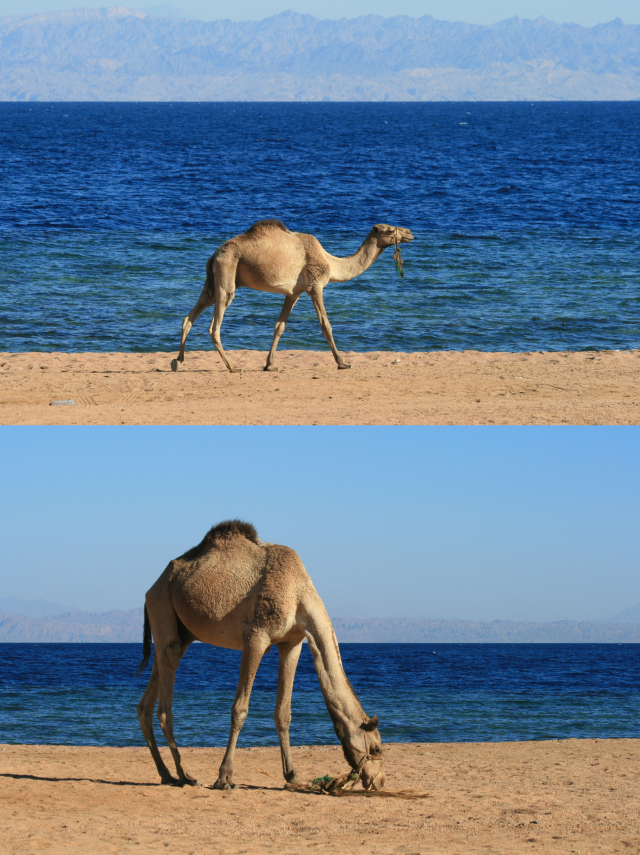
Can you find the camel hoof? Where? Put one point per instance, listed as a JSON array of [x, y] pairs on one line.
[[235, 371], [270, 368], [223, 785], [174, 364], [344, 365], [169, 781], [295, 785]]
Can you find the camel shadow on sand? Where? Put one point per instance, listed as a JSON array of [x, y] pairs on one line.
[[152, 784]]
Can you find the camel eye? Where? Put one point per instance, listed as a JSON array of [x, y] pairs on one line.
[[376, 749]]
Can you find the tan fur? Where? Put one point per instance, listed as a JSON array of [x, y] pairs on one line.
[[246, 596], [268, 257]]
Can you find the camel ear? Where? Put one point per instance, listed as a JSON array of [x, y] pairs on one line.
[[371, 724], [375, 229]]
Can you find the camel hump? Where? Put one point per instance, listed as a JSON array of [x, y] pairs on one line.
[[219, 533], [263, 226]]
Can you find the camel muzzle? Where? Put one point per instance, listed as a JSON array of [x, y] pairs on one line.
[[372, 775]]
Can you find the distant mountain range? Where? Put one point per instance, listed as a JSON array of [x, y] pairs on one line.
[[416, 630], [126, 626], [116, 54]]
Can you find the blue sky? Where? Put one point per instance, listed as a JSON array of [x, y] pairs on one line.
[[585, 12], [476, 523]]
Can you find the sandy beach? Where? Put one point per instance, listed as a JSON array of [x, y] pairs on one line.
[[573, 796], [449, 387]]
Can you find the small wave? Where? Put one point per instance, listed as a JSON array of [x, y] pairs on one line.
[[459, 236]]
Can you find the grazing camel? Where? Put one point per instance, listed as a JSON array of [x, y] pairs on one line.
[[268, 257], [234, 591]]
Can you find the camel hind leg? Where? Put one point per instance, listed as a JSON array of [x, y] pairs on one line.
[[173, 653], [169, 650], [225, 265], [145, 717], [204, 301]]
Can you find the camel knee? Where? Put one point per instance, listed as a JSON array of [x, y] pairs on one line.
[[146, 705], [145, 718], [214, 332], [173, 654], [148, 699], [283, 720], [165, 718], [239, 715]]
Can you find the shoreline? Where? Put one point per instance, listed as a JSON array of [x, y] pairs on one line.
[[509, 798], [381, 388]]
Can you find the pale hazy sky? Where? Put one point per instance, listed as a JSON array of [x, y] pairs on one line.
[[476, 523], [585, 12]]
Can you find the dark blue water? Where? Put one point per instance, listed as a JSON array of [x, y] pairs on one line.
[[526, 216], [86, 694]]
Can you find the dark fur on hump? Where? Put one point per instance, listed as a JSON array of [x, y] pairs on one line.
[[265, 225], [228, 528]]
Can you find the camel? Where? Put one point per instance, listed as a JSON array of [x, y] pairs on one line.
[[234, 591], [268, 257]]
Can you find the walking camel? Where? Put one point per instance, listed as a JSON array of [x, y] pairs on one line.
[[268, 257], [234, 591]]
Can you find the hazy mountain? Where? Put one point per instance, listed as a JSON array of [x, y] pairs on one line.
[[126, 626], [630, 615], [121, 55], [397, 630]]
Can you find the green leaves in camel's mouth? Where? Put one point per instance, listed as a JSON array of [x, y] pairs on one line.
[[397, 258]]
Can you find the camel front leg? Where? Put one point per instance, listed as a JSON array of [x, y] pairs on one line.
[[315, 292], [289, 655], [289, 303], [252, 653], [204, 301]]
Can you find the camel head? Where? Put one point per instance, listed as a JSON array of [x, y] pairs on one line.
[[363, 752], [390, 235]]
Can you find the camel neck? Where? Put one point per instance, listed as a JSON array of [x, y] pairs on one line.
[[343, 269], [342, 702]]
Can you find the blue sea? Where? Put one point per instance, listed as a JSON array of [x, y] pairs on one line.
[[86, 694], [526, 218]]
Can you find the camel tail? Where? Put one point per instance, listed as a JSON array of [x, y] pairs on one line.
[[146, 643], [209, 283]]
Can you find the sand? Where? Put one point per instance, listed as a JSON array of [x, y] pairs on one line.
[[383, 388], [573, 796]]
